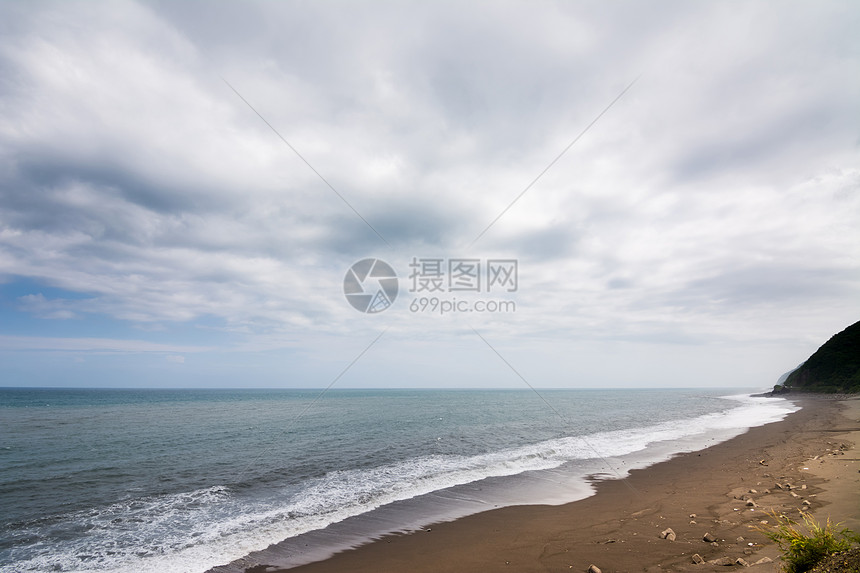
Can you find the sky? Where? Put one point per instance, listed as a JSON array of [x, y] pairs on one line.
[[570, 194]]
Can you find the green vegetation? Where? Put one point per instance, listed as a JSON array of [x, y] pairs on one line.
[[804, 545], [835, 367]]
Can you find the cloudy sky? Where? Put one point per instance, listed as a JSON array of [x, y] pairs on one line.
[[183, 187]]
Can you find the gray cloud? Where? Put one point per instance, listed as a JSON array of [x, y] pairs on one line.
[[723, 186]]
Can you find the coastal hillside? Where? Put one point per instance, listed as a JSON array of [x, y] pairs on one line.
[[835, 367]]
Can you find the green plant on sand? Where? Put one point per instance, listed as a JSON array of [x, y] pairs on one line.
[[804, 545]]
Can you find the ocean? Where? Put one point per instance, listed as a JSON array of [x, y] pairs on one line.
[[176, 481]]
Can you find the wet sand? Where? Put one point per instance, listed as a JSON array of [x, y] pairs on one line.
[[619, 528]]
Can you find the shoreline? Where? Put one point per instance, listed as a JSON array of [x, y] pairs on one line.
[[618, 528]]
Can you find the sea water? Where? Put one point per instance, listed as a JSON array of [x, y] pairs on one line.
[[186, 480]]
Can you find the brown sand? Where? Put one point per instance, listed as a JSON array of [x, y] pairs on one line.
[[618, 529]]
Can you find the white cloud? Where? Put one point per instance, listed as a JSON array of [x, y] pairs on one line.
[[91, 345], [717, 199]]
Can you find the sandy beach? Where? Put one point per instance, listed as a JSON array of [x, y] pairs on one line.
[[726, 491]]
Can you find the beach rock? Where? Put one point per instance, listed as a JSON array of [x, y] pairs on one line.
[[727, 561], [751, 503], [593, 569], [697, 559], [777, 486], [742, 562], [692, 516], [752, 491], [763, 560], [709, 537], [668, 534]]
